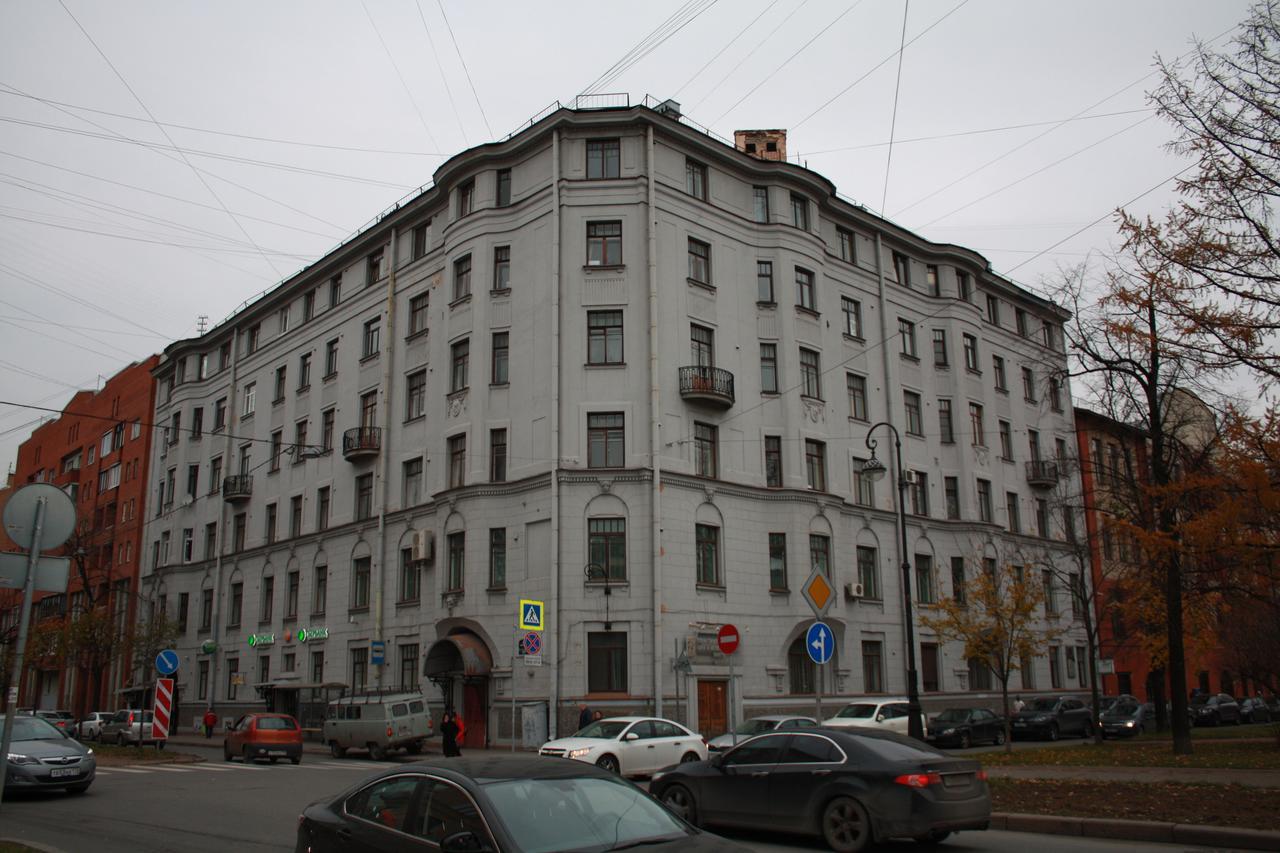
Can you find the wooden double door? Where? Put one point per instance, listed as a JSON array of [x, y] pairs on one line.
[[713, 707]]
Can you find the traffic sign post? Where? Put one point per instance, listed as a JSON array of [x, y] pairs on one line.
[[378, 652], [532, 615], [162, 713], [167, 662], [820, 643], [727, 640]]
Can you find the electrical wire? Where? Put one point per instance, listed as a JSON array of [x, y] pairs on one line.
[[465, 69], [678, 20], [257, 250], [721, 51], [399, 76], [30, 279], [445, 80], [897, 87], [750, 54]]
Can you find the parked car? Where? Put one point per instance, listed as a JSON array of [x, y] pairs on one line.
[[1107, 702], [43, 756], [377, 722], [963, 727], [888, 714], [1254, 710], [1213, 710], [630, 746], [64, 720], [91, 726], [271, 736], [760, 725], [473, 804], [1052, 716], [853, 787], [126, 726], [1127, 718]]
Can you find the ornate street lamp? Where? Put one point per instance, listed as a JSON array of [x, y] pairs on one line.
[[875, 469], [597, 572]]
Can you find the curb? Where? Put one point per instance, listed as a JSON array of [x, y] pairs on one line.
[[1138, 830]]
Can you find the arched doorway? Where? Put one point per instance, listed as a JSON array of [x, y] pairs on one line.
[[459, 665]]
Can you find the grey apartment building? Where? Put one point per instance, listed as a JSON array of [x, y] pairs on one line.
[[617, 365]]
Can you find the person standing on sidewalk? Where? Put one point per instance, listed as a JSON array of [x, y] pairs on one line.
[[449, 735], [210, 720], [584, 716]]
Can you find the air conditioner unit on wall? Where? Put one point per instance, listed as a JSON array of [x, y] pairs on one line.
[[424, 546], [853, 591]]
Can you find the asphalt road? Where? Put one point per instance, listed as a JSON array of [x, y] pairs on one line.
[[215, 807]]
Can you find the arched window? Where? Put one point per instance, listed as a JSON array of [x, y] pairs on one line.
[[800, 668]]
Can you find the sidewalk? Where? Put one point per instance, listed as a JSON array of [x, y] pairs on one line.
[[1176, 775]]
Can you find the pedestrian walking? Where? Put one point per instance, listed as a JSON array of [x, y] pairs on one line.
[[449, 735], [210, 720], [584, 716]]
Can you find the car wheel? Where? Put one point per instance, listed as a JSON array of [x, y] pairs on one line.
[[1141, 730], [297, 759], [247, 756], [273, 759], [414, 748], [377, 753], [226, 752], [689, 756], [679, 800], [965, 740], [935, 837], [78, 789], [845, 825], [1000, 737], [335, 750], [120, 740], [608, 762], [1053, 732]]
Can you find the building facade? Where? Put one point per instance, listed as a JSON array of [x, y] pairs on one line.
[[617, 366], [98, 451]]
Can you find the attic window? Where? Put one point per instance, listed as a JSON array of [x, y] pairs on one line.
[[751, 147], [769, 146]]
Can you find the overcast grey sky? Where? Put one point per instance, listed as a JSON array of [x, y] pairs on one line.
[[284, 126]]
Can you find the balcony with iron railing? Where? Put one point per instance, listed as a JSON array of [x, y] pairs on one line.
[[237, 488], [1042, 473], [361, 443], [710, 385]]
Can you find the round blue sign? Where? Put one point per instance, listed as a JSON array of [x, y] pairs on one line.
[[167, 662], [820, 642]]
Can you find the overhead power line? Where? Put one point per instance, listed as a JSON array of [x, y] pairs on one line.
[[897, 87], [677, 21], [465, 70], [399, 76], [435, 54], [721, 51]]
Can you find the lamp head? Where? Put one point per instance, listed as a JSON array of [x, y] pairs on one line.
[[873, 468]]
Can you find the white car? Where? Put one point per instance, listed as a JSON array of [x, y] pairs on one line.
[[887, 714], [630, 746], [91, 726]]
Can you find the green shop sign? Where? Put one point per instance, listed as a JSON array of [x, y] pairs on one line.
[[208, 647], [306, 634], [256, 640]]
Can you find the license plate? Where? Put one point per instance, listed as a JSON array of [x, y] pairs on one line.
[[958, 781], [1019, 725], [277, 752], [64, 771]]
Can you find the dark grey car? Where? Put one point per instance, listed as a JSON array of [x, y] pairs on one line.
[[41, 756], [1052, 716], [1213, 710], [1127, 718]]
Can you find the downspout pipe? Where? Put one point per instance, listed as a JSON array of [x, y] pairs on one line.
[[388, 401], [228, 457], [557, 635], [655, 425]]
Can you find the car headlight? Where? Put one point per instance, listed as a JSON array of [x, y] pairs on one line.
[[578, 753], [89, 754], [656, 776], [19, 758], [1128, 724], [1043, 718], [948, 731]]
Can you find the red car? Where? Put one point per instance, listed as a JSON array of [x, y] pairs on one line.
[[270, 736]]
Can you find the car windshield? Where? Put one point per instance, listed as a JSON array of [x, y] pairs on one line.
[[1044, 703], [603, 729], [755, 727], [276, 724], [580, 814], [859, 711], [32, 728], [952, 715], [1123, 709]]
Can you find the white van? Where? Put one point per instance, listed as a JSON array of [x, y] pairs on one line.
[[378, 722]]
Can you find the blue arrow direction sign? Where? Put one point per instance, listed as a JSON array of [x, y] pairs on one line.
[[820, 642], [167, 662]]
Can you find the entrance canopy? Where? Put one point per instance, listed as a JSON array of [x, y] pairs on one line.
[[458, 656]]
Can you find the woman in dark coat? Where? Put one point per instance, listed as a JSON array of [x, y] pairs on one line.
[[449, 735]]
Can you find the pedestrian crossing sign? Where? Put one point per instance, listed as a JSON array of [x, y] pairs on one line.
[[531, 616]]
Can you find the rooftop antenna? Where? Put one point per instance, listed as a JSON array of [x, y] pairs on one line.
[[202, 323]]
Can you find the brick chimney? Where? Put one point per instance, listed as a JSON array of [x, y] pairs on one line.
[[765, 144]]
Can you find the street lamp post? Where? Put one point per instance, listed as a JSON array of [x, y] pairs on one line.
[[875, 469]]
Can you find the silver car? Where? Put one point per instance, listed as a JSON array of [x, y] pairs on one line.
[[126, 726], [42, 756], [758, 726], [91, 726]]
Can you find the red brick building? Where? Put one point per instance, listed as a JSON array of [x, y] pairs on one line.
[[97, 451]]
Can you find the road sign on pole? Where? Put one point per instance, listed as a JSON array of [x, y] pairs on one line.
[[727, 639], [378, 652], [163, 710], [531, 615], [817, 590], [820, 643], [167, 662]]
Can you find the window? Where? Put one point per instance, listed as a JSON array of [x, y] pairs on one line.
[[501, 269], [604, 337], [804, 290], [918, 492], [1050, 593], [695, 179], [295, 516], [868, 576], [872, 667], [369, 410], [1006, 441], [419, 236], [815, 464], [501, 355], [193, 480], [606, 662], [1028, 385], [801, 671], [979, 674], [466, 198], [233, 677], [971, 353], [497, 455], [607, 546], [946, 427], [415, 398], [993, 309], [326, 429], [250, 400], [940, 348], [984, 500], [215, 475], [411, 482], [418, 306], [409, 662], [604, 244], [931, 280], [1011, 507], [457, 460], [1078, 603], [375, 267], [460, 361], [773, 461], [253, 340], [304, 371], [320, 591], [777, 562], [857, 386], [606, 440], [1055, 667], [707, 547], [958, 591], [462, 278], [331, 358], [277, 447], [497, 558], [902, 267], [457, 562], [847, 250], [267, 603], [699, 262], [769, 368], [236, 604], [924, 579], [502, 192], [359, 669], [364, 496], [335, 291], [997, 368], [1020, 322], [951, 493], [604, 158], [1055, 394], [929, 681], [863, 485], [282, 319], [915, 421], [978, 430], [852, 311], [206, 609], [760, 203], [764, 282], [1042, 518], [361, 568], [820, 554], [810, 374], [800, 211], [705, 462], [964, 286], [197, 422], [907, 331]]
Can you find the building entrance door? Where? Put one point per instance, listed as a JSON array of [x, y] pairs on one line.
[[473, 714], [713, 708]]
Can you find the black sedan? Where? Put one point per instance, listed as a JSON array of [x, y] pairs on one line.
[[1052, 716], [1213, 710], [496, 804], [852, 787], [963, 727]]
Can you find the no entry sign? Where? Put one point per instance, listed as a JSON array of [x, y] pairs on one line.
[[727, 638]]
